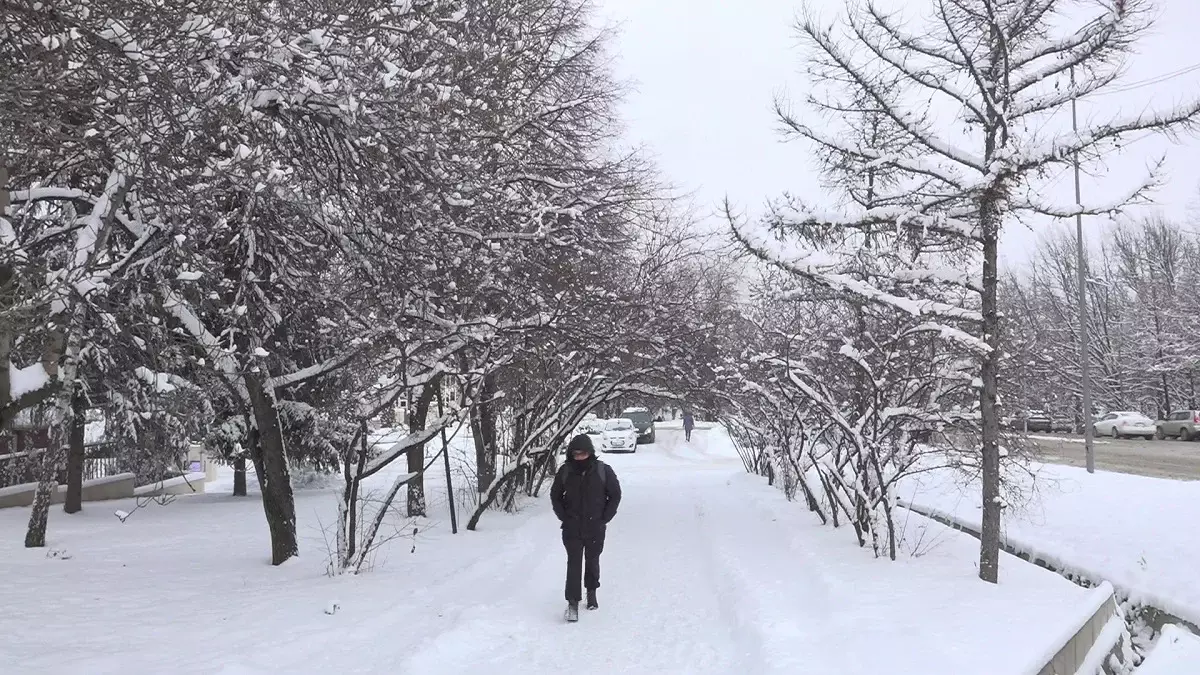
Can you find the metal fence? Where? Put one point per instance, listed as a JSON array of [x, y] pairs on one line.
[[17, 468]]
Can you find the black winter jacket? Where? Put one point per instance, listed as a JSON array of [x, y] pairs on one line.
[[583, 501]]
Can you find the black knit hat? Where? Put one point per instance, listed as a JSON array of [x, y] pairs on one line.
[[581, 442]]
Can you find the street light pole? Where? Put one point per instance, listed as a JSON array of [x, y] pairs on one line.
[[1080, 268]]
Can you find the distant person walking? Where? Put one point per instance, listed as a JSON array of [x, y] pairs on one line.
[[688, 424], [585, 495]]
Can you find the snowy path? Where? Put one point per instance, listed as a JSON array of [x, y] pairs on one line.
[[706, 570], [662, 592]]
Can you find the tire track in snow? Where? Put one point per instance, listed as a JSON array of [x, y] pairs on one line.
[[746, 637], [778, 593]]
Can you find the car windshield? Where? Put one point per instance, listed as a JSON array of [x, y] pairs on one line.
[[618, 425], [640, 418], [1135, 417]]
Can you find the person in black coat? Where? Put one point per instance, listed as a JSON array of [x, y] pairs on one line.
[[585, 495]]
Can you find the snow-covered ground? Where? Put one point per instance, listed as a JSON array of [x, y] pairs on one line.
[[706, 570], [1177, 652], [1134, 531]]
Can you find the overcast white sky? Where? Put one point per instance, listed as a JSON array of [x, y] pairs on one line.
[[704, 73]]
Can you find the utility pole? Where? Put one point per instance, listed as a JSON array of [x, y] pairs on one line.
[[1080, 262]]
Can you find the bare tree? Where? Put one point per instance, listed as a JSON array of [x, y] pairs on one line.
[[998, 68]]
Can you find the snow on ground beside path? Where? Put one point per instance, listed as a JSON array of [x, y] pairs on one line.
[[1134, 531], [1177, 652], [1064, 439], [706, 570]]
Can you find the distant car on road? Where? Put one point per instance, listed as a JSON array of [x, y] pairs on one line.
[[1184, 424], [643, 421], [1032, 420], [620, 435], [1122, 423], [590, 425]]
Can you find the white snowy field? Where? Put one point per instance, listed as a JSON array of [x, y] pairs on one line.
[[1138, 533], [706, 570]]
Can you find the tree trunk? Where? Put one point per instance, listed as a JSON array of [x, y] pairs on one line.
[[48, 465], [39, 514], [239, 476], [989, 540], [65, 340], [75, 457], [270, 459], [483, 424], [1192, 388], [1166, 390], [416, 455]]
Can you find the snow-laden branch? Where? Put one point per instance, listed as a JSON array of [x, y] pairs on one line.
[[950, 277], [1114, 204], [1096, 30], [923, 76], [1039, 63], [946, 223], [542, 114], [821, 268], [88, 236], [361, 344], [987, 87], [415, 439], [163, 383], [870, 84], [917, 165], [175, 305], [1067, 144], [953, 334], [50, 193], [1024, 106], [854, 355], [914, 43]]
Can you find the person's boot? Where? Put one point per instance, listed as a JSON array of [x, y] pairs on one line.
[[591, 599], [572, 611]]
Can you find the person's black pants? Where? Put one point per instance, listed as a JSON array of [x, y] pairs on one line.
[[688, 434], [583, 560]]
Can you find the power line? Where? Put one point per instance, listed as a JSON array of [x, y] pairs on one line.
[[1158, 79]]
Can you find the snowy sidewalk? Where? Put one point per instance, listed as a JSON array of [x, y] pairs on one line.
[[1133, 531], [706, 570]]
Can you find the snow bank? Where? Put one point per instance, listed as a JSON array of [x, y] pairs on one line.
[[1177, 652], [193, 482], [1070, 626], [1133, 531], [16, 489]]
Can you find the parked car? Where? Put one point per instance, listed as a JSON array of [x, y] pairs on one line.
[[1062, 423], [590, 425], [642, 421], [620, 435], [1182, 423], [1032, 420], [1124, 423]]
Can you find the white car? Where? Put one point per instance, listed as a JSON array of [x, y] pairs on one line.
[[590, 425], [620, 435], [1124, 423]]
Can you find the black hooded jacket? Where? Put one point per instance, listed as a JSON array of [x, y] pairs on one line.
[[583, 500]]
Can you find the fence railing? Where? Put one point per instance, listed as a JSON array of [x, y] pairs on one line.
[[99, 461]]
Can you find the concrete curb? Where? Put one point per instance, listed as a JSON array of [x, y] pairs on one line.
[[1086, 646]]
